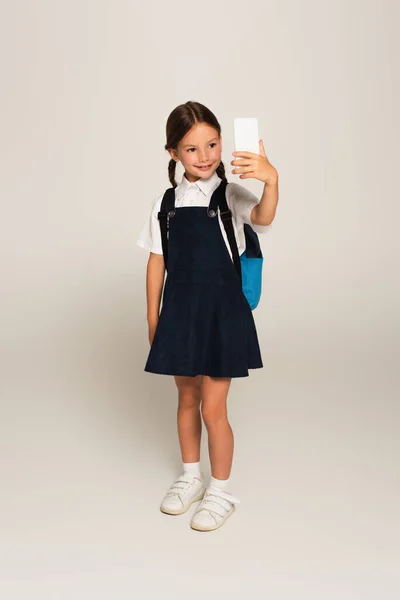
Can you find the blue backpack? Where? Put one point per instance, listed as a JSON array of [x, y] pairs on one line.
[[248, 265]]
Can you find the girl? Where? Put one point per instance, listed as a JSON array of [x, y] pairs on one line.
[[205, 333]]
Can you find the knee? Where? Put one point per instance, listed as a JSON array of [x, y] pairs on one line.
[[213, 415], [189, 400]]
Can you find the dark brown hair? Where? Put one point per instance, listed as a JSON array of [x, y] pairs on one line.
[[179, 122]]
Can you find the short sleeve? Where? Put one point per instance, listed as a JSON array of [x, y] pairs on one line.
[[241, 202], [150, 235]]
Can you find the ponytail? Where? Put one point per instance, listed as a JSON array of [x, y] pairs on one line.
[[221, 171], [171, 172]]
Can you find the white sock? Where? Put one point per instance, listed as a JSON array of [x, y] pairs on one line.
[[219, 484], [192, 468]]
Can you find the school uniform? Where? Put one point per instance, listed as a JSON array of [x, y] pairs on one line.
[[206, 326]]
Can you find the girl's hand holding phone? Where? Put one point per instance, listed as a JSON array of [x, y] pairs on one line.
[[249, 164]]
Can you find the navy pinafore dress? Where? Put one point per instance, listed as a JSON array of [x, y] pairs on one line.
[[206, 325]]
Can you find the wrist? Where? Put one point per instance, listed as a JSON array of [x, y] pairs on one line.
[[273, 179], [271, 182]]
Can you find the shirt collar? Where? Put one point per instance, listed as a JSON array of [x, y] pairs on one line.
[[205, 185]]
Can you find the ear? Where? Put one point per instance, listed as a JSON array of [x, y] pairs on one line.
[[173, 154]]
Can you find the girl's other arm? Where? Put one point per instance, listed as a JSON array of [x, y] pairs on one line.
[[154, 286]]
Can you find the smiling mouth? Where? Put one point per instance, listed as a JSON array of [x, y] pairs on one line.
[[204, 167]]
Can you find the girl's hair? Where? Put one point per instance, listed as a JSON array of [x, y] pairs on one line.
[[179, 122]]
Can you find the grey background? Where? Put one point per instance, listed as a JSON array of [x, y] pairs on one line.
[[88, 440]]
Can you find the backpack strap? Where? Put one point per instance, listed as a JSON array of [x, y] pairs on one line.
[[226, 217], [167, 210]]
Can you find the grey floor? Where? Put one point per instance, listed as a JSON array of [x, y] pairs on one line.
[[87, 457]]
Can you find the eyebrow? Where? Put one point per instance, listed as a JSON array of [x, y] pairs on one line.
[[191, 145]]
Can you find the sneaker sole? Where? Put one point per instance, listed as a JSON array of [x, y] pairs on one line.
[[201, 528], [170, 511]]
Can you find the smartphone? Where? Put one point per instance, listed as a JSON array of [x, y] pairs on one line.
[[246, 134]]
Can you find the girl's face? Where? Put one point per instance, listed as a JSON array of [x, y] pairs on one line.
[[199, 152]]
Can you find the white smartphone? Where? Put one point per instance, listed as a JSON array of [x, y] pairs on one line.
[[246, 134]]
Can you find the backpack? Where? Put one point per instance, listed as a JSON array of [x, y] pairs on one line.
[[248, 265]]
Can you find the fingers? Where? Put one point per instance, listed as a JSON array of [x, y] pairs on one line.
[[245, 162], [242, 165], [249, 169], [262, 150]]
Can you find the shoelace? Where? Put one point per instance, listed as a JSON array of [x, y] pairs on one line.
[[217, 499]]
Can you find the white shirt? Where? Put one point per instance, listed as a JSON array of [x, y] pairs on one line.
[[239, 199]]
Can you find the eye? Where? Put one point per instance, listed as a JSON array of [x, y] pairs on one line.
[[212, 144]]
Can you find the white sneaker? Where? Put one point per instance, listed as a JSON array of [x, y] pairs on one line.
[[182, 493], [214, 509]]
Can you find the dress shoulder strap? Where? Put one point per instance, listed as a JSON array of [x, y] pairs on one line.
[[167, 210], [168, 201]]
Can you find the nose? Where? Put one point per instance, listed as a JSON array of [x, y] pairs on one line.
[[203, 157]]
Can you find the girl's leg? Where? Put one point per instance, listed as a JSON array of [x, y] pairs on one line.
[[188, 417], [220, 436], [189, 487]]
